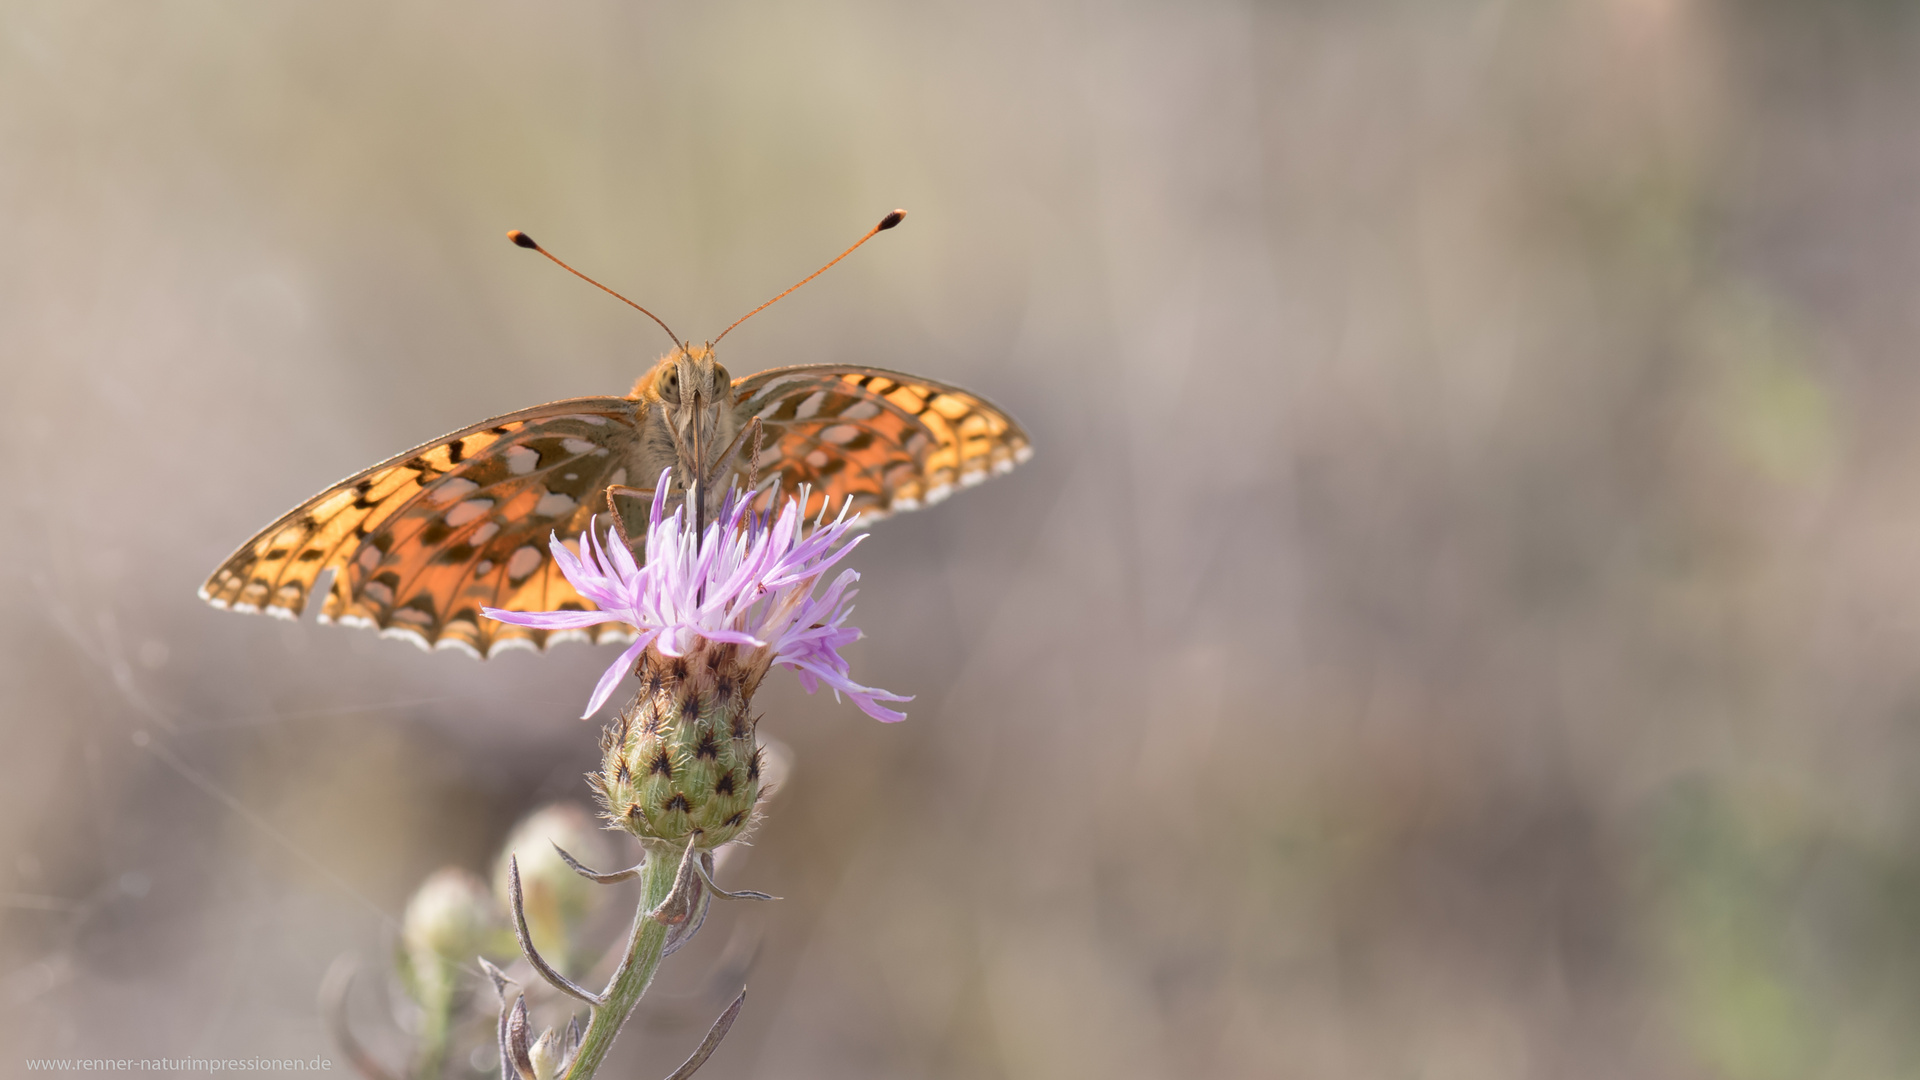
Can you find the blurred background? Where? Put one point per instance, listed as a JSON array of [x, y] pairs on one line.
[[1462, 619]]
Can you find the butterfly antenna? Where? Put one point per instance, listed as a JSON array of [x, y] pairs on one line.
[[886, 223], [526, 241]]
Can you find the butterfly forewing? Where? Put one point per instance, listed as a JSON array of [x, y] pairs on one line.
[[888, 440], [419, 543]]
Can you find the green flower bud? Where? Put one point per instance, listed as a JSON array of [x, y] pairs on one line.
[[558, 901], [681, 757], [450, 919]]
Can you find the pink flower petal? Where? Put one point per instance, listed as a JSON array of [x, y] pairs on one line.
[[748, 580], [614, 673], [551, 620]]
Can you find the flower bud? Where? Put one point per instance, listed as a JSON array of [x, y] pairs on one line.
[[450, 919], [558, 902], [681, 757], [547, 1055], [451, 916]]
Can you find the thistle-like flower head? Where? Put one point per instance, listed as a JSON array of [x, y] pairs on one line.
[[749, 582]]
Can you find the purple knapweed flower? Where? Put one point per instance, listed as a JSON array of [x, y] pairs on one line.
[[746, 582]]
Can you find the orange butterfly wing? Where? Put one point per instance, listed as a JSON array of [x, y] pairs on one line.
[[420, 542], [888, 440]]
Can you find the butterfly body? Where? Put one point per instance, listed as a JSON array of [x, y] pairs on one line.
[[419, 543], [685, 416]]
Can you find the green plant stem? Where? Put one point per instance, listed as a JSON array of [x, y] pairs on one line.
[[644, 945], [436, 1006]]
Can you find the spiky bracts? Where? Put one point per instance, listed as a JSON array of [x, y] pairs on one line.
[[681, 757]]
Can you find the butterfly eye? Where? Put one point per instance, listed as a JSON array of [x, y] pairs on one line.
[[721, 380], [669, 386]]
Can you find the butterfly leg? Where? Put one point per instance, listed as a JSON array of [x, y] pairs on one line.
[[721, 463], [683, 448], [619, 522], [688, 473], [753, 460]]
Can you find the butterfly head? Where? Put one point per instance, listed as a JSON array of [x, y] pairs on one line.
[[688, 383], [690, 399]]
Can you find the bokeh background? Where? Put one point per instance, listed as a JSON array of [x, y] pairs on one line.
[[1462, 620]]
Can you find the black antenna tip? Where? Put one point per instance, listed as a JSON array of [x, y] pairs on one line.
[[892, 219], [522, 239]]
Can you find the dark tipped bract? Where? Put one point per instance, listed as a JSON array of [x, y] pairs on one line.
[[522, 239], [892, 219]]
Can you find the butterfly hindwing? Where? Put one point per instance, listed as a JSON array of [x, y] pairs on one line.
[[888, 440], [420, 542]]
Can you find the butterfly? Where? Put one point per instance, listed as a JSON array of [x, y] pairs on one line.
[[419, 543]]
